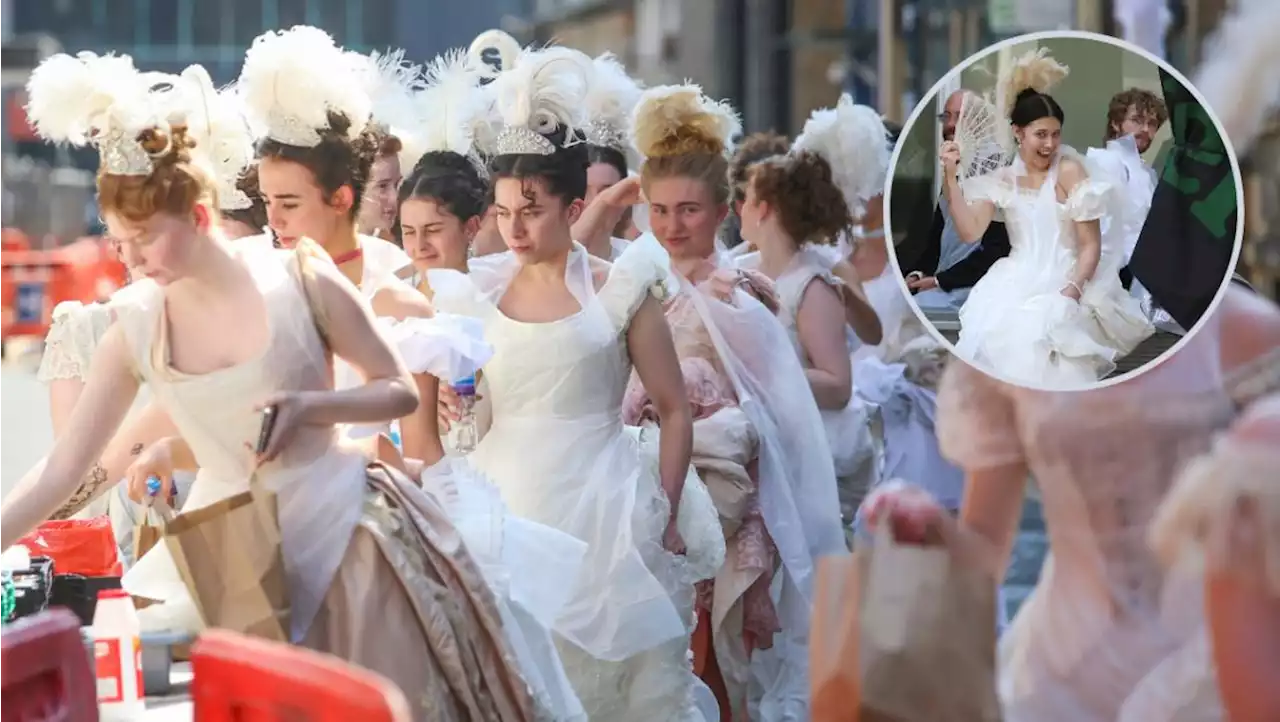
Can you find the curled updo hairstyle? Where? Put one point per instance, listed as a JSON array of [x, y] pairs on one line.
[[564, 172], [1032, 105], [801, 187], [753, 149], [336, 162], [255, 216], [175, 185], [450, 180], [689, 154]]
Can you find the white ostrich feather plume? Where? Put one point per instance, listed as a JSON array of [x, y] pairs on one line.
[[545, 91], [612, 96], [452, 107], [854, 142], [493, 52], [667, 118], [394, 85], [292, 79], [72, 99], [217, 122]]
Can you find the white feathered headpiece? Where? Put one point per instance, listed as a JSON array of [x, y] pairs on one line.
[[293, 79], [493, 52], [854, 142], [100, 100], [679, 119], [611, 97], [545, 92], [452, 107], [224, 142], [393, 86], [1034, 70]]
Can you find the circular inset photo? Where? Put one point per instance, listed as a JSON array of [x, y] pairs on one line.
[[1064, 210]]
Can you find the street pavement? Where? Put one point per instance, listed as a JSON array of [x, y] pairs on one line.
[[25, 430]]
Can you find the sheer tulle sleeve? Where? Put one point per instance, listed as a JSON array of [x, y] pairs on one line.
[[977, 419], [71, 340], [643, 269]]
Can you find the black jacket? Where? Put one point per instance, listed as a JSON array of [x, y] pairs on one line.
[[964, 274]]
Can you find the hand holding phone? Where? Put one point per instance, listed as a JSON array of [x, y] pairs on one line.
[[269, 414]]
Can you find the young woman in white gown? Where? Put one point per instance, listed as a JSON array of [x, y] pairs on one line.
[[217, 330], [566, 329], [223, 143], [1053, 313], [758, 436]]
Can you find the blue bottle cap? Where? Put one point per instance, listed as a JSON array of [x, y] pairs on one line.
[[153, 485]]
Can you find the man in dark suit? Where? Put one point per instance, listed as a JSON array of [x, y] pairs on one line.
[[946, 267]]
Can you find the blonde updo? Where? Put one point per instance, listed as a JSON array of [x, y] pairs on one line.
[[683, 134]]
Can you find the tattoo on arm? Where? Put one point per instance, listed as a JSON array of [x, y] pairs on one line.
[[136, 450], [89, 489]]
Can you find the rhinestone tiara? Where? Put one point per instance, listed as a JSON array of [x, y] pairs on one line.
[[604, 134], [521, 140], [120, 153]]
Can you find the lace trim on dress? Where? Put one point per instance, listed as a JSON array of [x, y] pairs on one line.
[[74, 335]]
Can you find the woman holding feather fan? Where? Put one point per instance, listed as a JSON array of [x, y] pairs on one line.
[[218, 331], [1053, 314]]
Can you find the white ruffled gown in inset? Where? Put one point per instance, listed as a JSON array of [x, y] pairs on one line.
[[1016, 322], [560, 455]]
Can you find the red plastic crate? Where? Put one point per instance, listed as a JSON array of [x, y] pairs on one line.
[[236, 678], [45, 675]]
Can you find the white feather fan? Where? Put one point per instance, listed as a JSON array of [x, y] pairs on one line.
[[545, 91], [853, 140], [73, 99], [293, 79], [678, 119]]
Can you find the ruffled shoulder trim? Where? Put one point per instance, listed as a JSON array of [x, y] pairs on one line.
[[996, 187], [643, 269], [1089, 200]]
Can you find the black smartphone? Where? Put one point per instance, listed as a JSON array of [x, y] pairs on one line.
[[264, 433]]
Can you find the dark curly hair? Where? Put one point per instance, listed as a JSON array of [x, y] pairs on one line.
[[564, 172], [801, 188], [337, 161], [255, 216], [450, 180], [1145, 102], [753, 149]]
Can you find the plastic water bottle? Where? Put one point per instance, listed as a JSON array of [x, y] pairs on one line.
[[393, 433], [117, 654], [466, 435]]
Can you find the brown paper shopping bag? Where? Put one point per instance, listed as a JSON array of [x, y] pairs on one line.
[[916, 627], [230, 558], [150, 528]]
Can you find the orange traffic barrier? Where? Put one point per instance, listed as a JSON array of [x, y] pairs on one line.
[[34, 282], [245, 679]]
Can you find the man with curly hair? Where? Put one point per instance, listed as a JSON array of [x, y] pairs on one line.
[[1134, 116]]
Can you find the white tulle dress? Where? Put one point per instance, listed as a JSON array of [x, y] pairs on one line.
[[1016, 323], [559, 455]]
